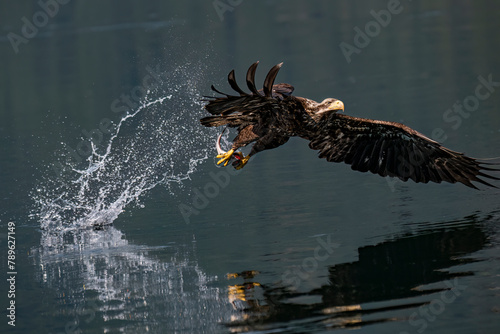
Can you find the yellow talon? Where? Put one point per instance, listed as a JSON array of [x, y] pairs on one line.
[[225, 157], [243, 162]]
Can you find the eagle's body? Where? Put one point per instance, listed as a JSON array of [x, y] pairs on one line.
[[270, 116]]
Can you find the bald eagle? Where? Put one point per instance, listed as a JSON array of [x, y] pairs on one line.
[[270, 116]]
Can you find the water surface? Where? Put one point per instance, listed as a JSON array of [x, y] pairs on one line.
[[290, 244]]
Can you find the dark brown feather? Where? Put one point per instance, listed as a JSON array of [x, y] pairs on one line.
[[251, 78], [392, 149], [269, 81], [232, 82]]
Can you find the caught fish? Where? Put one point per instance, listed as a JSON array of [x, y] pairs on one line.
[[236, 157]]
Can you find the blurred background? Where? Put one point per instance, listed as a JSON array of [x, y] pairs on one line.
[[99, 110]]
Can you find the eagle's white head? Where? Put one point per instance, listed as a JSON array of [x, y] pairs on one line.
[[330, 104]]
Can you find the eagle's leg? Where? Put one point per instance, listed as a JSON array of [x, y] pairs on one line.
[[243, 161], [245, 136], [267, 142]]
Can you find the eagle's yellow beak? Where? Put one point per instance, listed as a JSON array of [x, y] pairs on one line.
[[337, 105]]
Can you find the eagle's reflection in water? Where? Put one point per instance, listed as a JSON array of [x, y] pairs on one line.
[[391, 281], [144, 288]]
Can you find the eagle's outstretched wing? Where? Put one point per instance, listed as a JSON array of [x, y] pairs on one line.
[[235, 111], [393, 149]]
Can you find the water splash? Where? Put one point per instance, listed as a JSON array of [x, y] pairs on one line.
[[159, 142]]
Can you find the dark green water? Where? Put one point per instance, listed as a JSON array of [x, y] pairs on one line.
[[290, 244]]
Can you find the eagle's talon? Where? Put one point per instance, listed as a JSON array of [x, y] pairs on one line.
[[243, 161], [226, 156]]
